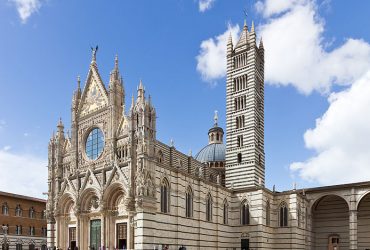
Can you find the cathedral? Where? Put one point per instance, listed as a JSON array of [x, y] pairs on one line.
[[113, 185]]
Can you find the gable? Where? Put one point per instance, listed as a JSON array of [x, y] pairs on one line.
[[94, 96]]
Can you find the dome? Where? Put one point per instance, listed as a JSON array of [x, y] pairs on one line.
[[212, 153]]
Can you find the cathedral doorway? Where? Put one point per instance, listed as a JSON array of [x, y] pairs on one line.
[[72, 237], [121, 236], [245, 244], [330, 223], [95, 234]]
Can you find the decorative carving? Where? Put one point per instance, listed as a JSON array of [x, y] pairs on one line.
[[94, 99]]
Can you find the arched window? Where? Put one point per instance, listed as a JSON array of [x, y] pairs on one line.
[[5, 209], [283, 215], [31, 246], [18, 210], [239, 157], [299, 214], [18, 246], [189, 202], [267, 213], [32, 212], [212, 137], [244, 213], [209, 208], [160, 156], [165, 196], [226, 212]]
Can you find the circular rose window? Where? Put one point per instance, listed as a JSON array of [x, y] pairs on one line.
[[94, 144]]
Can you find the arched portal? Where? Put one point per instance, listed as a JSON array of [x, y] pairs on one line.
[[330, 216], [363, 226], [117, 229]]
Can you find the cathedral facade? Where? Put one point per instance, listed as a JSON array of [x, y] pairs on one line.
[[113, 185]]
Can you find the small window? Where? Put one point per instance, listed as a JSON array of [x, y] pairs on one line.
[[18, 210], [5, 209], [189, 202], [32, 212], [226, 212], [283, 215], [165, 195], [240, 141], [244, 213], [209, 208], [239, 157], [267, 213], [160, 156]]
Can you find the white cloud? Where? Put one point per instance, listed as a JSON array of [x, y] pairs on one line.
[[26, 8], [7, 148], [211, 61], [205, 5], [22, 173], [295, 49], [26, 134], [340, 139]]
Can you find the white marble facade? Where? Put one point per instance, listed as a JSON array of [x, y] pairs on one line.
[[112, 184]]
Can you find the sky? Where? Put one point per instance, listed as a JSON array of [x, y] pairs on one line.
[[317, 79]]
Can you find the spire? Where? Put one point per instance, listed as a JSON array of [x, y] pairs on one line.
[[140, 91], [78, 83], [230, 40], [215, 118], [243, 40], [261, 44], [60, 124], [114, 74], [252, 28], [116, 63], [132, 101]]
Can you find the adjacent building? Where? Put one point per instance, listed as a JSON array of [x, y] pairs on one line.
[[23, 222], [113, 184]]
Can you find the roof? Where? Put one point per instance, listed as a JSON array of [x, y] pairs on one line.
[[212, 153], [23, 197]]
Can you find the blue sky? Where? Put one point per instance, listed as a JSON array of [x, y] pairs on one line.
[[175, 48]]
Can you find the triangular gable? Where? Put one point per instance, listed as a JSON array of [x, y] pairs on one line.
[[94, 96], [123, 125]]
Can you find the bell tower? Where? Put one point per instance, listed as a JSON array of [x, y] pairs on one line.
[[245, 156]]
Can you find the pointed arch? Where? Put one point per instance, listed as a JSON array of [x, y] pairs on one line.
[[89, 199], [209, 206], [189, 202], [226, 212], [244, 213], [165, 196], [268, 213], [113, 196], [283, 214]]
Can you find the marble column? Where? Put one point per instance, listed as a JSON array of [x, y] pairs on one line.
[[353, 229]]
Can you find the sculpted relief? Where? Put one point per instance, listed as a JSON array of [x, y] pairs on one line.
[[94, 99]]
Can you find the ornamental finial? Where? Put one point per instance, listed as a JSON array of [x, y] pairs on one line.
[[216, 118], [94, 51]]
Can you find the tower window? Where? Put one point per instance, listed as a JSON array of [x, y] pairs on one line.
[[240, 141], [239, 157]]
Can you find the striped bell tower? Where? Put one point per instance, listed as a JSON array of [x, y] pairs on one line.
[[245, 155]]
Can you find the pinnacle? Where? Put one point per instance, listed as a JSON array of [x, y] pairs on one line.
[[252, 28]]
